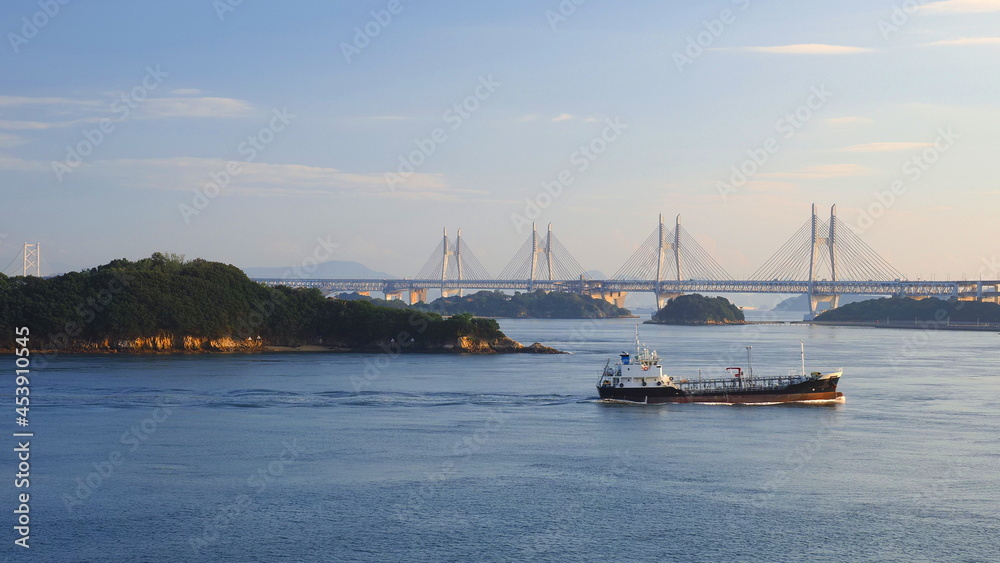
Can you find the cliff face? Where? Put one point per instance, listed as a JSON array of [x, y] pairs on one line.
[[471, 345], [159, 343]]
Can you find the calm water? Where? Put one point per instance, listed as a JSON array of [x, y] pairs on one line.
[[509, 458]]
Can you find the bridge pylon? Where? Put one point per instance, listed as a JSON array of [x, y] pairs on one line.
[[668, 258], [822, 245], [542, 259], [825, 254], [449, 262]]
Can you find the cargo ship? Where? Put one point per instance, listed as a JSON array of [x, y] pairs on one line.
[[638, 377]]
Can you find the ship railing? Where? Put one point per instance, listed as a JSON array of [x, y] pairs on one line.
[[742, 384]]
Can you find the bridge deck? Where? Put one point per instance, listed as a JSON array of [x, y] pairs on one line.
[[895, 287]]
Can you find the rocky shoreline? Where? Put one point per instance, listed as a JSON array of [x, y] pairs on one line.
[[170, 344]]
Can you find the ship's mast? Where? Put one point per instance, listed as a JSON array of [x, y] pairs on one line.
[[803, 345], [749, 364]]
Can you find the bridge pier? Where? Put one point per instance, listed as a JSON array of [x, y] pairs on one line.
[[662, 298], [392, 295], [815, 299], [418, 295], [616, 298]]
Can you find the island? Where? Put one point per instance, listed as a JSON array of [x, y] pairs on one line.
[[696, 309], [537, 304], [167, 304], [920, 313]]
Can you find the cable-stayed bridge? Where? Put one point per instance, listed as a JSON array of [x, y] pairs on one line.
[[823, 259]]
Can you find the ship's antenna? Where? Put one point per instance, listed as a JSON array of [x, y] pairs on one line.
[[749, 365], [803, 345], [637, 337]]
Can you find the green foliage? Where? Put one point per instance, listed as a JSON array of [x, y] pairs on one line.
[[538, 304], [698, 309], [164, 294], [392, 304], [906, 309]]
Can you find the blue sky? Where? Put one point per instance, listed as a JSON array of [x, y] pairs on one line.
[[907, 101]]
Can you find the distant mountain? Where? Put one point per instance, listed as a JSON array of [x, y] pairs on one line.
[[596, 275], [333, 270], [801, 302]]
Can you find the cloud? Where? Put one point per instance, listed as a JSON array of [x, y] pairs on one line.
[[772, 187], [562, 117], [964, 41], [14, 164], [8, 140], [804, 49], [822, 171], [885, 147], [15, 125], [259, 179], [962, 7], [12, 101], [90, 111], [849, 120], [194, 107]]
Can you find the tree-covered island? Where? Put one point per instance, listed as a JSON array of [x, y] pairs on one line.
[[931, 311], [537, 305], [166, 304], [696, 309]]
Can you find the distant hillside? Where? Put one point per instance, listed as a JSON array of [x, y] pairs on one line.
[[801, 302], [334, 269], [537, 305]]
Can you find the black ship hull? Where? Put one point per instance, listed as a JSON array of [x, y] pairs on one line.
[[819, 390]]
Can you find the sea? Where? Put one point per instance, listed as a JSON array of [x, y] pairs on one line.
[[433, 457]]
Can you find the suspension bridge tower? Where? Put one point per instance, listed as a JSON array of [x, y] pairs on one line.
[[32, 260]]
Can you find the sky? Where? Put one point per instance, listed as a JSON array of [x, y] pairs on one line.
[[265, 133]]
